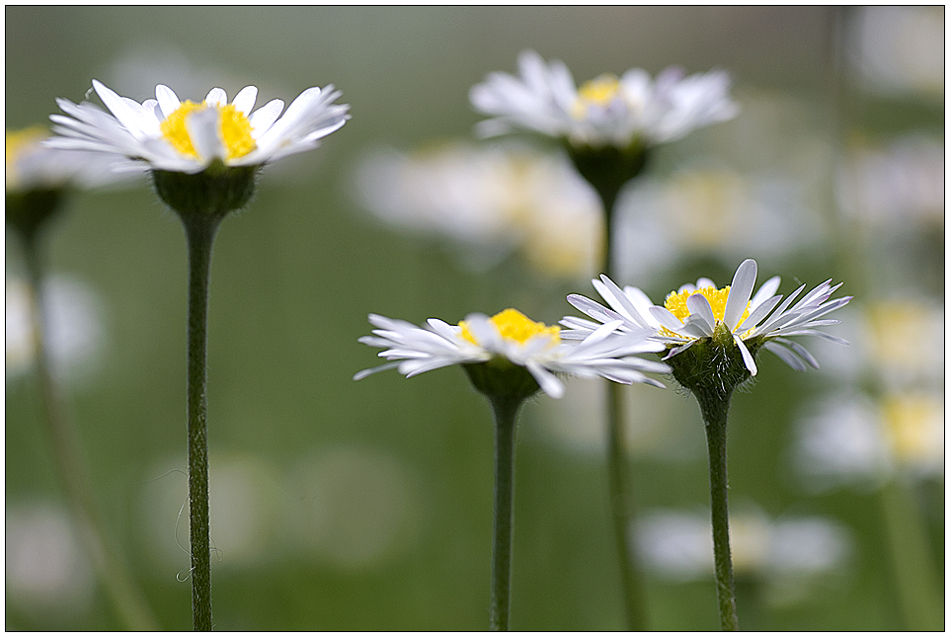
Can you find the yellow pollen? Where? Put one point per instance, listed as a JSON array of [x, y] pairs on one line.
[[600, 90], [235, 130], [597, 92], [676, 303], [515, 326]]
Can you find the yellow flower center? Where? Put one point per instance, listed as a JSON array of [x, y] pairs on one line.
[[515, 326], [676, 303], [235, 130], [597, 92]]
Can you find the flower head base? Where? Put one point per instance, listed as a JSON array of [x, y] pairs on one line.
[[713, 333], [509, 354], [167, 134]]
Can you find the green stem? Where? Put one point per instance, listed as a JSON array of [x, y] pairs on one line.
[[715, 409], [119, 584], [505, 409], [200, 231], [618, 473]]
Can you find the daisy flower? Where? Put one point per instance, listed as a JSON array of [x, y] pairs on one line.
[[511, 339], [606, 111], [508, 358], [713, 335], [187, 137], [702, 311]]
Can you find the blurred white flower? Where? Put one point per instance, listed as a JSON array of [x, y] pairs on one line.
[[625, 111], [47, 571], [489, 201], [675, 545], [31, 165], [892, 186], [852, 439], [168, 134], [882, 353], [512, 336], [354, 507], [74, 319], [694, 212], [900, 49]]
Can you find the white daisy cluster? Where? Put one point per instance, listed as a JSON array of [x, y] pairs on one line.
[[187, 137], [605, 111], [511, 336], [697, 312]]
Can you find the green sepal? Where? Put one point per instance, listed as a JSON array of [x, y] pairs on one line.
[[607, 168], [713, 367], [214, 192], [28, 211], [500, 378]]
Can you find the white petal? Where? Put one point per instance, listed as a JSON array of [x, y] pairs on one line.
[[202, 126], [666, 318], [739, 293], [216, 97], [746, 355], [701, 313], [264, 117], [167, 99], [245, 99]]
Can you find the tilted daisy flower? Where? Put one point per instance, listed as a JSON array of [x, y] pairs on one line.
[[510, 339], [713, 335], [508, 358], [169, 134], [696, 312], [631, 109]]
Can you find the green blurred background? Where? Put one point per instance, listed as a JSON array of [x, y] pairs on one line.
[[367, 506]]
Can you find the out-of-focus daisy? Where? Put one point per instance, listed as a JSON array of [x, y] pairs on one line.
[[511, 339], [699, 312], [897, 186], [692, 214], [74, 320], [853, 439], [630, 110], [675, 545], [489, 201], [48, 572], [899, 50], [171, 135], [32, 165]]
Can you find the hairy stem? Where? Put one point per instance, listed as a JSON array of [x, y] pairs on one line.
[[200, 233], [505, 410], [715, 409]]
